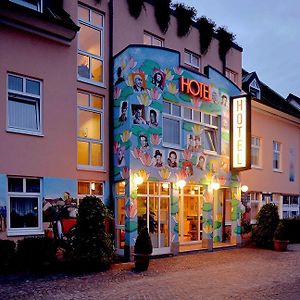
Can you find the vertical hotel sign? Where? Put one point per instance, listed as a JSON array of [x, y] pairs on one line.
[[240, 120]]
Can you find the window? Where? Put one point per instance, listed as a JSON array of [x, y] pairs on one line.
[[24, 105], [276, 156], [93, 188], [233, 76], [120, 217], [192, 59], [254, 89], [32, 4], [290, 206], [90, 46], [255, 151], [24, 206], [173, 117], [89, 133], [152, 40]]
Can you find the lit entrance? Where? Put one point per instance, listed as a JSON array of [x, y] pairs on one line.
[[153, 211]]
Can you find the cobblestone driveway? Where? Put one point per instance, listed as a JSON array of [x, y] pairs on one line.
[[231, 274]]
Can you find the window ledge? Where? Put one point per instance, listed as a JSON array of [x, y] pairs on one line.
[[92, 82], [172, 146], [212, 153], [278, 170], [87, 168], [20, 232], [27, 132], [256, 167]]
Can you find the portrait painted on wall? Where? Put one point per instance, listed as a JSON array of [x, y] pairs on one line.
[[187, 166], [197, 143], [138, 81], [121, 156], [201, 161], [158, 158], [213, 166], [123, 112], [143, 142], [152, 118], [224, 100], [120, 78], [138, 114], [158, 78], [190, 143], [215, 95], [173, 159]]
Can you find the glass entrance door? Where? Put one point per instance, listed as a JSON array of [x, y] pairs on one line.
[[154, 212]]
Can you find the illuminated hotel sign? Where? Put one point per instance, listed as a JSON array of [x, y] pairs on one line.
[[240, 120], [195, 88]]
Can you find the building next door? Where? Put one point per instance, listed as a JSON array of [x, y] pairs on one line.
[[153, 211]]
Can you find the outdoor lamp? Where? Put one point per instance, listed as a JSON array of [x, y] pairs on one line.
[[215, 185], [93, 186], [181, 183], [138, 179], [244, 188]]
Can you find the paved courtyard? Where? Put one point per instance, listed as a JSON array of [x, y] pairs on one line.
[[245, 273]]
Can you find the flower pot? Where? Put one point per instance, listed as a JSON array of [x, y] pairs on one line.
[[280, 245], [141, 262]]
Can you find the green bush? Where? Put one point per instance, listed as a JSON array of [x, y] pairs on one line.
[[267, 222], [143, 243], [91, 247], [7, 254], [35, 253], [280, 232], [292, 229]]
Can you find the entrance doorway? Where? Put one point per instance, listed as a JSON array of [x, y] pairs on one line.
[[153, 211]]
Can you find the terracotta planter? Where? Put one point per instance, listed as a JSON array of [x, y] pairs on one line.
[[141, 262], [280, 245]]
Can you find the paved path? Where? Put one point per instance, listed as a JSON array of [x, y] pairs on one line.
[[245, 273]]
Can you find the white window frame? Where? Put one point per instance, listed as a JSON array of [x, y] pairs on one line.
[[25, 97], [90, 55], [190, 62], [232, 75], [258, 148], [279, 152], [89, 140], [26, 231], [254, 85], [119, 227], [152, 38], [28, 5], [90, 182], [208, 126]]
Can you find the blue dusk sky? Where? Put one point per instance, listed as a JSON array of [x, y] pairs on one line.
[[269, 33]]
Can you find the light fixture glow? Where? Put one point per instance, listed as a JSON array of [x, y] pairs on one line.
[[244, 188], [181, 183], [138, 180], [215, 185], [93, 186], [165, 185]]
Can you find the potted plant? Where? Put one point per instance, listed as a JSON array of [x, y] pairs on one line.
[[185, 16], [280, 238], [142, 250]]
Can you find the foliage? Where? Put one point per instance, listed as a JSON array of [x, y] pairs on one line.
[[91, 246], [206, 31], [246, 220], [292, 229], [142, 222], [267, 221], [185, 15], [135, 7], [7, 254], [162, 14], [143, 243], [36, 252], [225, 41], [280, 232]]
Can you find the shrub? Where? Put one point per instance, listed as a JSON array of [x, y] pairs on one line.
[[143, 243], [35, 253], [267, 221], [292, 229], [225, 41], [162, 14], [206, 31], [91, 247], [280, 232], [7, 254], [135, 7], [185, 16]]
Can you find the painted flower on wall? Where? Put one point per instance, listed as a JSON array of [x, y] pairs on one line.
[[178, 70], [146, 159], [132, 63], [154, 93], [125, 136], [155, 139], [181, 175], [169, 75], [142, 173], [207, 228], [131, 208], [144, 99], [197, 129], [172, 88], [116, 147], [196, 102], [136, 152], [164, 173], [125, 173], [187, 154], [117, 93]]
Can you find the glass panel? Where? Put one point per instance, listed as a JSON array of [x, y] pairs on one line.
[[89, 125], [90, 40], [83, 153], [209, 141], [83, 14], [171, 131], [153, 221], [120, 188], [190, 215], [167, 107], [142, 212], [96, 102], [32, 185], [97, 19], [195, 61], [187, 57], [176, 111], [83, 188], [188, 113], [157, 42], [23, 212], [96, 159], [164, 222], [214, 120], [120, 238], [142, 188], [164, 188], [15, 185], [121, 211], [83, 66], [97, 70], [206, 119], [32, 87], [82, 99], [15, 83], [197, 116], [147, 39], [98, 189]]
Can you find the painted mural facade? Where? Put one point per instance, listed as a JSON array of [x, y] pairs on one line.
[[164, 134]]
